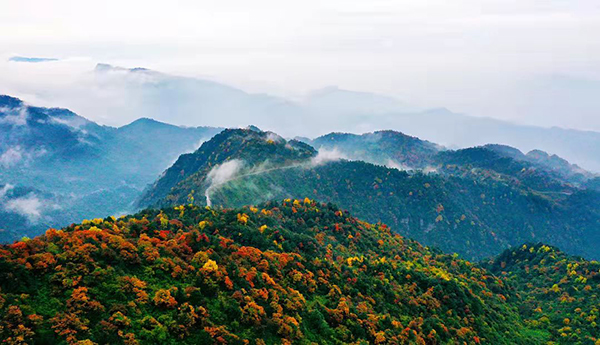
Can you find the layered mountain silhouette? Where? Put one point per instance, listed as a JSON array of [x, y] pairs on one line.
[[139, 92]]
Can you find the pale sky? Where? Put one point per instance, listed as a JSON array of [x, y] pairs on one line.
[[527, 61]]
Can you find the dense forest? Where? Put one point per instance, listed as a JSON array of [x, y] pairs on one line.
[[556, 292], [296, 271]]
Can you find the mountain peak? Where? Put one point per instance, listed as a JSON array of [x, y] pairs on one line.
[[9, 101], [384, 147], [236, 149], [104, 67], [254, 128], [144, 121], [505, 150]]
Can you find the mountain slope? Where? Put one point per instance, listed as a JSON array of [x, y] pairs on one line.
[[397, 150], [474, 218], [556, 291], [295, 271], [33, 133], [61, 149], [251, 145], [552, 163], [475, 212], [483, 162]]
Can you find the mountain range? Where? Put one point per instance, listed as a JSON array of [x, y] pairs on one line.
[[60, 167], [459, 204], [121, 95]]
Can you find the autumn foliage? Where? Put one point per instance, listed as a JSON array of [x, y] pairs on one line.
[[290, 272]]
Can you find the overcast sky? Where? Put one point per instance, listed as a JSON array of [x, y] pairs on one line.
[[527, 61]]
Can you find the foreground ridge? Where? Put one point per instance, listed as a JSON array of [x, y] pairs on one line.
[[556, 292], [295, 271]]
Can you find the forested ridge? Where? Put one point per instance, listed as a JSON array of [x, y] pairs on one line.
[[479, 201], [556, 292], [296, 271]]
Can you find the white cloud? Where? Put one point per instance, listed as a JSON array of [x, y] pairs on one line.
[[11, 157], [14, 116], [221, 174], [274, 137], [29, 206], [326, 155], [74, 123], [16, 155], [5, 189], [395, 165], [224, 172]]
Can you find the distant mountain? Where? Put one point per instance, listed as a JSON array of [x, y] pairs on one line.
[[68, 159], [31, 59], [558, 165], [456, 130], [192, 101], [128, 94], [478, 203], [397, 150], [345, 111], [336, 100], [483, 162], [390, 148], [556, 292], [33, 132], [555, 164], [295, 271]]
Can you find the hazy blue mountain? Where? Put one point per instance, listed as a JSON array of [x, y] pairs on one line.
[[457, 130], [31, 59], [543, 160], [335, 100], [481, 161], [138, 92], [593, 183], [27, 211], [192, 101], [397, 150], [72, 167]]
